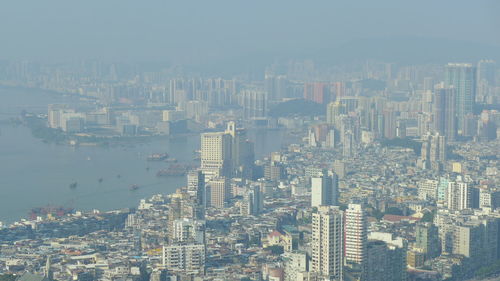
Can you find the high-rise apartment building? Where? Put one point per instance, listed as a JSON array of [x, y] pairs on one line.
[[242, 151], [295, 264], [318, 92], [428, 189], [427, 239], [383, 262], [254, 103], [253, 201], [54, 115], [328, 242], [339, 168], [274, 171], [462, 77], [386, 257], [356, 235], [461, 196], [486, 71], [276, 86], [333, 111], [196, 184], [486, 76], [185, 258], [348, 144], [188, 231], [468, 239], [389, 125], [324, 190], [445, 119], [219, 191], [433, 152]]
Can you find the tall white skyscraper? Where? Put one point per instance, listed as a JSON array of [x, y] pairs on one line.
[[328, 242], [459, 196], [324, 190], [355, 234], [216, 154]]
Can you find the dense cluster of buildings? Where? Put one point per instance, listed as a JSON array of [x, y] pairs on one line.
[[396, 181]]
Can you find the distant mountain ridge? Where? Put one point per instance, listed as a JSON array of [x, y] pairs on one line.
[[403, 50]]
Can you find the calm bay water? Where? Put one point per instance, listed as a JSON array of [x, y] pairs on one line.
[[35, 174]]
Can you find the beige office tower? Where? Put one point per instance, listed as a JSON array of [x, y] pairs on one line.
[[215, 154], [227, 153], [355, 234], [327, 242], [218, 191]]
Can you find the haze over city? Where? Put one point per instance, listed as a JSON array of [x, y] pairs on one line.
[[194, 32], [249, 140]]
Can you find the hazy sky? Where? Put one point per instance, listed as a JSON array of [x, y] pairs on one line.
[[204, 30]]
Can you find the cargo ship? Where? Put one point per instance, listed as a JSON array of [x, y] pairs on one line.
[[173, 170], [158, 157], [58, 211]]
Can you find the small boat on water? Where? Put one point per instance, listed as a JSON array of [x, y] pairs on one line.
[[100, 180], [134, 187], [173, 170], [73, 185], [171, 160], [158, 157]]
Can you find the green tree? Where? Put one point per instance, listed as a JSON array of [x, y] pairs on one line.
[[377, 214], [298, 107], [427, 217], [275, 249]]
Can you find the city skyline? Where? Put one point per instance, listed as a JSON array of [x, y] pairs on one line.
[[250, 141]]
